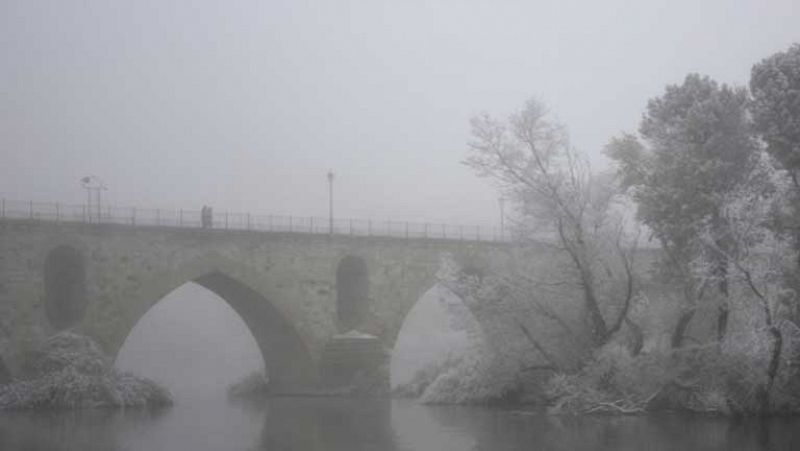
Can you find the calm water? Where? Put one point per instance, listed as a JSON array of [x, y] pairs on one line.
[[342, 424]]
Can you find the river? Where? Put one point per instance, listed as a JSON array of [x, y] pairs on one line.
[[214, 424]]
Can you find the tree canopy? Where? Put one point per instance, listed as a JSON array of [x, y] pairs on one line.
[[775, 87], [696, 147], [530, 156]]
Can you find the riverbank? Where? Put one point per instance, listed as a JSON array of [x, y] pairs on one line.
[[708, 379]]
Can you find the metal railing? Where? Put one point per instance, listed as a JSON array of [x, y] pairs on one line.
[[133, 216]]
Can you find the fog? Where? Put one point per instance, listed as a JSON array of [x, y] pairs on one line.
[[373, 110], [192, 331], [435, 331], [192, 342], [247, 105]]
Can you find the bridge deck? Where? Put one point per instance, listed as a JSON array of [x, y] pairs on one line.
[[192, 219]]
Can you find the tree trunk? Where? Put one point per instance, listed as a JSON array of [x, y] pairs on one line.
[[720, 270], [797, 245], [638, 337], [722, 321], [722, 311], [547, 356], [772, 369], [577, 252], [596, 322], [680, 329]]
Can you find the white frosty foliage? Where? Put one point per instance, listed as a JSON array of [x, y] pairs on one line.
[[69, 372], [355, 334], [254, 384], [68, 350], [476, 368]]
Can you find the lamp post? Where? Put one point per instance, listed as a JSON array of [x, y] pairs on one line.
[[330, 203], [502, 201], [92, 183]]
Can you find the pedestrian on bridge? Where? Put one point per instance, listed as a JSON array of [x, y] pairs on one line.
[[205, 217]]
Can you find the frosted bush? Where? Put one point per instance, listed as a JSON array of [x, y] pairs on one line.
[[64, 350], [70, 372], [476, 378], [255, 384], [706, 379], [423, 378]]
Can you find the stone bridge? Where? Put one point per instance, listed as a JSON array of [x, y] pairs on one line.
[[295, 292]]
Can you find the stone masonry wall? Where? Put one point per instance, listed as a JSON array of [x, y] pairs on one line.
[[129, 269]]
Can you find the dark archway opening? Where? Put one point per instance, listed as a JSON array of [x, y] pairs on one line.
[[352, 292], [193, 343], [211, 338], [65, 287], [291, 368]]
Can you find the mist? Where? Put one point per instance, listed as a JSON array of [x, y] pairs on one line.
[[246, 106], [193, 343], [399, 225]]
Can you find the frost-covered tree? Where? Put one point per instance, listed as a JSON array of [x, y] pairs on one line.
[[696, 146], [775, 87], [529, 155], [775, 105], [758, 258]]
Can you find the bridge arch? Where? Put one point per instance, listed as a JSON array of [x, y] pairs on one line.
[[438, 329], [290, 364], [129, 269]]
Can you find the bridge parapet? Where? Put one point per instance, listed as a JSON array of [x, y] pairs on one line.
[[193, 219]]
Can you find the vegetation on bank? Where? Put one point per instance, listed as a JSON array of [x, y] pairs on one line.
[[69, 371], [709, 323], [371, 382], [253, 385]]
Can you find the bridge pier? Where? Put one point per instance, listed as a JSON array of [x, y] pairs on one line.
[[355, 361]]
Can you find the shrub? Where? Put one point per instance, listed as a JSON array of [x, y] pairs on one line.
[[708, 379], [472, 379], [255, 384], [70, 372]]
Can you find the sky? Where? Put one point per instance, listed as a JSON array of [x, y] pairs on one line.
[[246, 105]]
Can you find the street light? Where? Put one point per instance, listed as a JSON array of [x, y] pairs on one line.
[[502, 201], [92, 183], [330, 202]]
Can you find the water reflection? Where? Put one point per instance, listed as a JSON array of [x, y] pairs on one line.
[[464, 428], [314, 424], [327, 424], [71, 430]]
